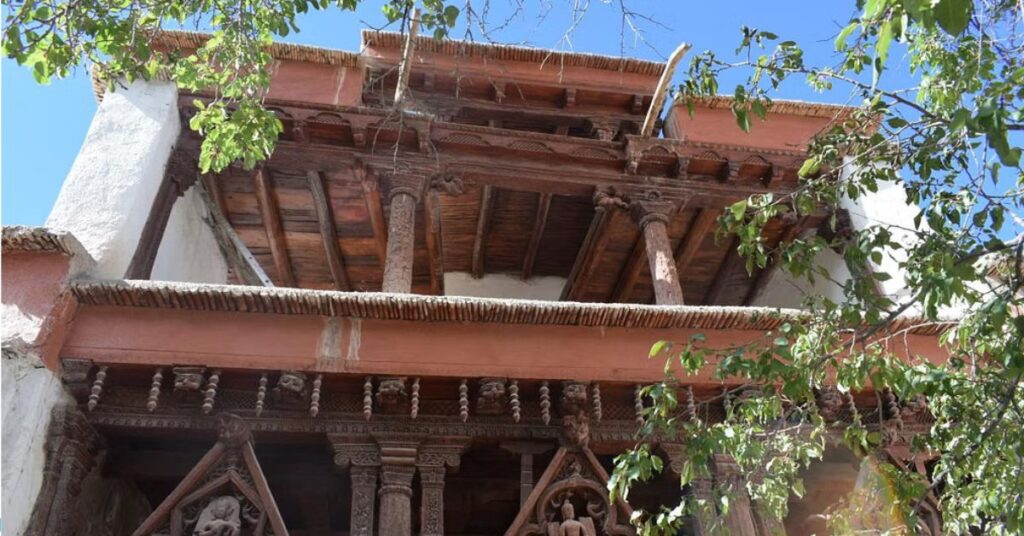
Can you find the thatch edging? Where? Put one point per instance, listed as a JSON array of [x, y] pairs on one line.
[[421, 308]]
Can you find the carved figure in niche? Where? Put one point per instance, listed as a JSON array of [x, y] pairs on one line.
[[570, 526], [188, 379], [291, 388], [492, 396], [574, 398], [391, 394], [577, 429], [915, 408], [830, 403], [221, 517]]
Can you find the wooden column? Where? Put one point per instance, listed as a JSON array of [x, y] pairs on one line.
[[403, 196], [431, 462], [398, 465], [363, 458], [739, 520], [652, 215]]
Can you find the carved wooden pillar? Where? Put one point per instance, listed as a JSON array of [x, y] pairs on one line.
[[739, 520], [403, 196], [398, 465], [652, 215], [526, 451], [70, 449], [363, 460], [431, 461]]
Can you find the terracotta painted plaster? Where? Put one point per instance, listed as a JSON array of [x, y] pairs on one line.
[[128, 335], [549, 74], [36, 304], [316, 83], [790, 132]]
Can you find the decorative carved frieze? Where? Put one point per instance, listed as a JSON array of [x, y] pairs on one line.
[[70, 454]]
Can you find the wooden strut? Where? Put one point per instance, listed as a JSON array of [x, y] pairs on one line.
[[272, 224], [539, 223], [328, 231], [375, 209], [691, 242], [235, 252], [631, 272], [483, 226], [141, 265]]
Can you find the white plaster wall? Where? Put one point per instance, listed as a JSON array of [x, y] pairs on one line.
[[189, 251], [30, 391], [503, 286], [107, 195], [786, 291]]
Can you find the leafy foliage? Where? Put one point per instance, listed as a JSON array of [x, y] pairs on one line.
[[951, 143], [119, 40]]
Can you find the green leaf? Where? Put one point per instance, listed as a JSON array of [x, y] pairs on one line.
[[810, 168], [953, 15], [742, 119], [844, 34], [885, 34]]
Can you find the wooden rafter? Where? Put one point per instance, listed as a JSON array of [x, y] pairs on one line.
[[631, 273], [328, 231], [729, 264], [235, 252], [272, 224], [539, 223], [375, 209], [435, 251], [483, 226], [590, 254]]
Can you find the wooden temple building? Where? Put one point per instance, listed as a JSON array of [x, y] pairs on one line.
[[425, 319]]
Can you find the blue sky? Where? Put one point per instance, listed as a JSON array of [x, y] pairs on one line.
[[44, 126]]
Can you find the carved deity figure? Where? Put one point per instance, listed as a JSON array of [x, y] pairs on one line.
[[570, 526], [188, 379], [830, 403], [391, 394], [291, 387], [221, 517], [492, 396], [574, 398]]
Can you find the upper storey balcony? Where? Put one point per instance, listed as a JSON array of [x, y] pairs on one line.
[[507, 172]]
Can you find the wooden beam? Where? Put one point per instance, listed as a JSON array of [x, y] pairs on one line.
[[328, 231], [272, 224], [141, 265], [435, 251], [765, 275], [631, 273], [695, 235], [375, 208], [483, 226], [729, 264], [590, 254], [540, 221], [235, 252]]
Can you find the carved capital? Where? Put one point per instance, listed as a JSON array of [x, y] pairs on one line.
[[609, 199], [439, 456], [649, 208], [396, 479], [354, 451], [432, 476], [405, 183]]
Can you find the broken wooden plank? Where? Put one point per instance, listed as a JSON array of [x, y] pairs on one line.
[[236, 253]]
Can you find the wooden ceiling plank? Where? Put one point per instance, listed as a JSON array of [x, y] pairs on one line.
[[729, 264], [272, 224], [375, 209], [435, 251], [483, 226], [540, 221], [590, 254], [765, 275], [328, 231], [631, 273], [695, 235]]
